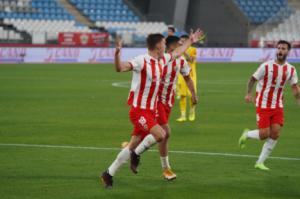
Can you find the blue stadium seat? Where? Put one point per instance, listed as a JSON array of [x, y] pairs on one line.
[[258, 11]]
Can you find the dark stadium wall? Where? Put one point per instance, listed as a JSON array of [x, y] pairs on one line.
[[170, 11], [222, 21]]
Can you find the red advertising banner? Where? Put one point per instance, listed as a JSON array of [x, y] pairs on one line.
[[83, 39]]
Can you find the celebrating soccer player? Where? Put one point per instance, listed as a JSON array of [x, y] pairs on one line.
[[272, 77], [166, 99], [183, 91], [147, 73]]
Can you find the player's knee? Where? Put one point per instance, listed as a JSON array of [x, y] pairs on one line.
[[274, 135], [160, 136], [264, 134]]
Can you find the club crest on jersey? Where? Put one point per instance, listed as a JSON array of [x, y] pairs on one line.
[[143, 122]]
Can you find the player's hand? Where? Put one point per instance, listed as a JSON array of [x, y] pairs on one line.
[[196, 36], [194, 100], [118, 45], [249, 98]]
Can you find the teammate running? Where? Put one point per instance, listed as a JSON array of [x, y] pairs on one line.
[[146, 78], [166, 99], [272, 77]]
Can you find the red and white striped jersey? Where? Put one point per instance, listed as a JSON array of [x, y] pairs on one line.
[[147, 72], [169, 78], [272, 78]]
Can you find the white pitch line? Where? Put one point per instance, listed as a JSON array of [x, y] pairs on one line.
[[117, 149]]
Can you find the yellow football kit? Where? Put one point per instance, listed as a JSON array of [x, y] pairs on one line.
[[182, 89]]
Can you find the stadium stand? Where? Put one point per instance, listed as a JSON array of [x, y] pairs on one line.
[[259, 11]]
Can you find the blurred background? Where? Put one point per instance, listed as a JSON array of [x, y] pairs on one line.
[[227, 23]]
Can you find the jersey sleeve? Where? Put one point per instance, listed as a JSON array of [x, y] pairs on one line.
[[260, 72], [184, 67], [137, 63], [294, 78]]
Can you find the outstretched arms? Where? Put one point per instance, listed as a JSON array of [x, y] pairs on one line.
[[249, 97], [190, 84], [120, 66]]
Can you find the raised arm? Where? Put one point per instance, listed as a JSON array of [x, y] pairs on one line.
[[249, 97], [190, 84], [296, 92], [194, 37], [120, 66]]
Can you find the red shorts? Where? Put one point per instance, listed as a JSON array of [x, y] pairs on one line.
[[142, 120], [163, 113], [266, 117]]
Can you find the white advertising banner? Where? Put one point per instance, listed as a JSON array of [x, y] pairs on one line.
[[106, 55]]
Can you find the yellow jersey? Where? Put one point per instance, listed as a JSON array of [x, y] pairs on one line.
[[182, 88], [192, 52]]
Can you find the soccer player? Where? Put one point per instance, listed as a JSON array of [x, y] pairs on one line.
[[183, 92], [166, 99], [146, 78], [272, 76]]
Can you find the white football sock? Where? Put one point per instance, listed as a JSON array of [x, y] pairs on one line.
[[165, 162], [266, 150], [254, 134], [121, 159], [148, 141]]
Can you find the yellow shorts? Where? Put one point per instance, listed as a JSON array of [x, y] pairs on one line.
[[182, 88]]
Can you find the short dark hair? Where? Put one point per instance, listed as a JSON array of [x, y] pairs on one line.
[[185, 36], [284, 42], [154, 39], [171, 28], [171, 40]]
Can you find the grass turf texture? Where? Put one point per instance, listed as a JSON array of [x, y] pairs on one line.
[[76, 105]]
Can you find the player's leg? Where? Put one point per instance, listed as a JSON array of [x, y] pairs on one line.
[[156, 135], [263, 123], [121, 159], [268, 146], [192, 113], [277, 121], [182, 105], [164, 154], [182, 88]]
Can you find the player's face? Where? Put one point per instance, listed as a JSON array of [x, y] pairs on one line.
[[174, 46], [282, 52], [182, 40], [161, 47], [170, 32]]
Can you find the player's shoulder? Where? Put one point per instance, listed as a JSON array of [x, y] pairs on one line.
[[267, 63], [290, 65]]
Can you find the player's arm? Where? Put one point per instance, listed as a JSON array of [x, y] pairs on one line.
[[296, 92], [120, 66], [250, 85], [194, 37], [190, 84]]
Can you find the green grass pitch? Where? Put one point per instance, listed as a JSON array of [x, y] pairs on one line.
[[76, 105]]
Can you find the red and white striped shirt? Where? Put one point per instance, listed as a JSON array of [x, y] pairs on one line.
[[272, 78], [169, 78], [147, 72]]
